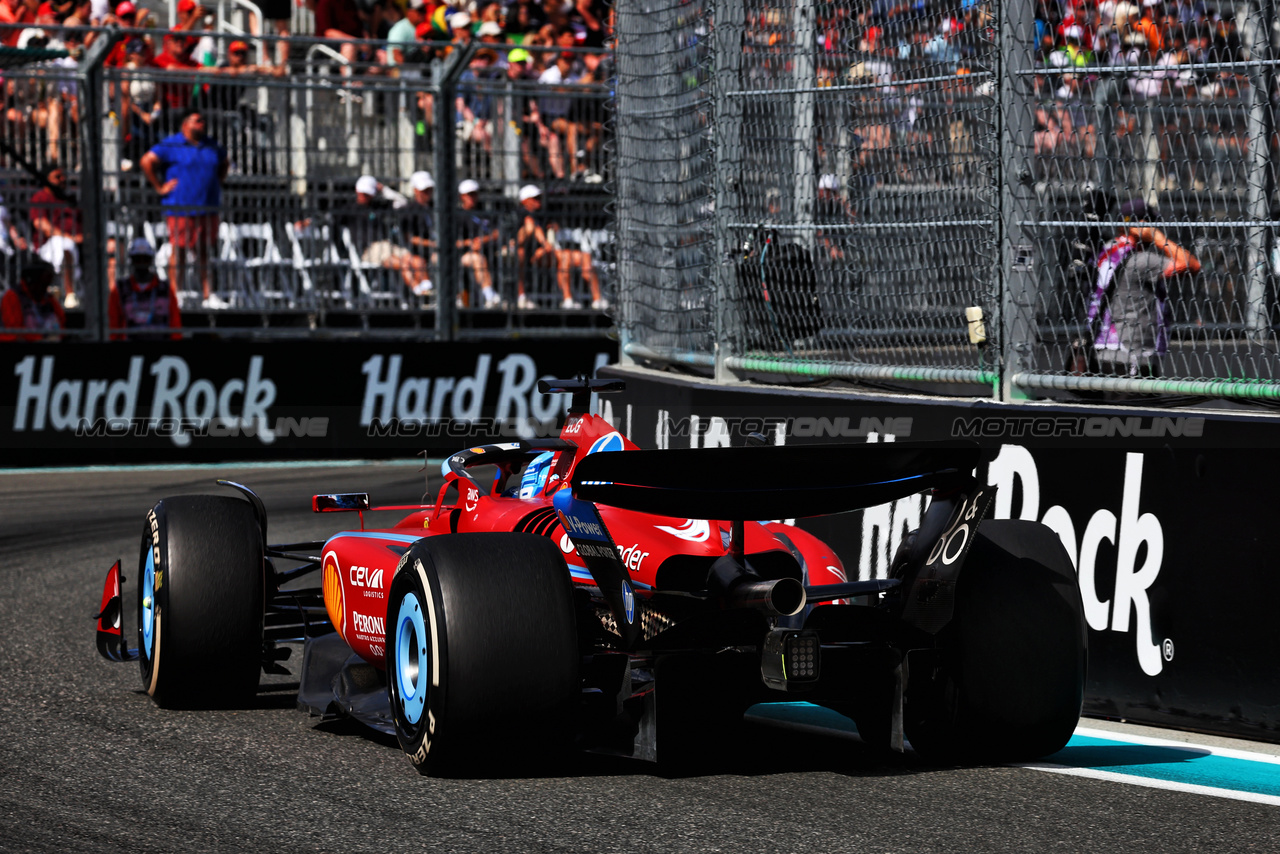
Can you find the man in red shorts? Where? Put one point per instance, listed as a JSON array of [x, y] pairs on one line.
[[187, 170]]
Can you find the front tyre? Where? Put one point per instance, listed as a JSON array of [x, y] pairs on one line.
[[1007, 680], [200, 604], [482, 651]]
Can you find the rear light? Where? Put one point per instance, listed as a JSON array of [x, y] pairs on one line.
[[790, 659]]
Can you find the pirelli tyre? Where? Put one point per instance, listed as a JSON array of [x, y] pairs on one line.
[[1007, 680], [482, 652], [200, 603]]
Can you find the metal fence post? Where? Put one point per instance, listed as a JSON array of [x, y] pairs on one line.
[[1017, 195], [730, 23], [93, 201], [804, 120], [446, 146], [1260, 182]]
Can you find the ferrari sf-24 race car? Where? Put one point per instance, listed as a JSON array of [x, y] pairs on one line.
[[583, 592]]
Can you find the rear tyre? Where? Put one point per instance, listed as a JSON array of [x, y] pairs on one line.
[[200, 604], [1007, 683], [482, 652]]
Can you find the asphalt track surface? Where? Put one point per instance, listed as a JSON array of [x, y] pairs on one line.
[[88, 763]]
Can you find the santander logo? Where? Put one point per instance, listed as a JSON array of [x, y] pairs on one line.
[[691, 530]]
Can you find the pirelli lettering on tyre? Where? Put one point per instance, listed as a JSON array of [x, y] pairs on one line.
[[420, 755], [154, 524]]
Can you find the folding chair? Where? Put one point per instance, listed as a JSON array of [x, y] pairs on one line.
[[378, 285], [267, 277], [325, 275]]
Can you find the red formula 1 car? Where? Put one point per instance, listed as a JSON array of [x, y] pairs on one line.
[[581, 591]]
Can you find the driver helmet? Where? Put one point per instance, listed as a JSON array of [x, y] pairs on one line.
[[534, 479]]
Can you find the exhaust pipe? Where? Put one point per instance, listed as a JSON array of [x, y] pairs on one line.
[[784, 597]]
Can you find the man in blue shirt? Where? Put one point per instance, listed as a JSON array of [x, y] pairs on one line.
[[187, 170]]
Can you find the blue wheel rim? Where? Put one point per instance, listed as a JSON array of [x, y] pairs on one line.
[[149, 604], [412, 666]]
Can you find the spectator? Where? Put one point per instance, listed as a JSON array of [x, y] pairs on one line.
[[418, 221], [1129, 312], [32, 306], [194, 18], [142, 301], [227, 97], [278, 13], [64, 105], [58, 230], [11, 239], [375, 227], [187, 170], [526, 107], [402, 40], [555, 127], [490, 32], [338, 19], [460, 27], [16, 12], [175, 95], [475, 110], [125, 15], [594, 16], [139, 105], [832, 209], [535, 247], [1151, 25], [477, 236]]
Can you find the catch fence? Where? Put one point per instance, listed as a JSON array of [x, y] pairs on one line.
[[835, 191]]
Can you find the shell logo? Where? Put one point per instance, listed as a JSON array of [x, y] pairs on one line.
[[333, 600]]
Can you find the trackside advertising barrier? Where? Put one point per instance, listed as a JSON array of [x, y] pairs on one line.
[[193, 401], [1167, 515]]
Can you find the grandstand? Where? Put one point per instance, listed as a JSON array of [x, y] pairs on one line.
[[296, 252]]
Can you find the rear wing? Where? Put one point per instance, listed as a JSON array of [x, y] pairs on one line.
[[772, 482]]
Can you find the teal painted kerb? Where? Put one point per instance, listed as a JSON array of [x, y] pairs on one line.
[[1189, 765]]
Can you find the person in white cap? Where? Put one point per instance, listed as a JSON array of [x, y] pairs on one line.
[[419, 221], [369, 188], [460, 24], [374, 229], [141, 301], [423, 186], [534, 247], [476, 234]]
